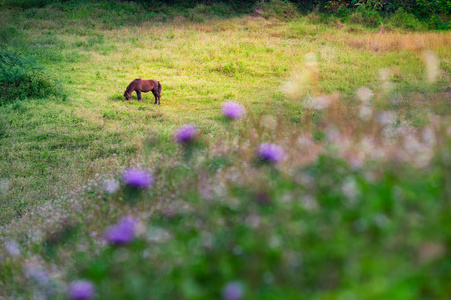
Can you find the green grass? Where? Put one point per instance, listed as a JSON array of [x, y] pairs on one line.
[[363, 206]]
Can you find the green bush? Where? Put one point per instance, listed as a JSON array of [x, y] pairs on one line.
[[404, 20], [366, 15], [22, 77], [10, 35], [437, 13], [280, 9]]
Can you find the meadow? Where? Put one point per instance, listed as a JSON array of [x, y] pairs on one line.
[[357, 208]]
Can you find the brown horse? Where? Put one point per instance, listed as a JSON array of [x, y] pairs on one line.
[[144, 85]]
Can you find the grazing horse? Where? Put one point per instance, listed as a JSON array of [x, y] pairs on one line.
[[144, 85]]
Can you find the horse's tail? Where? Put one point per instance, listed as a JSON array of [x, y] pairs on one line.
[[159, 89]]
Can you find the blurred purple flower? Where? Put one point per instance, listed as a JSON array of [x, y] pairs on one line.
[[12, 248], [186, 133], [137, 178], [81, 289], [232, 110], [122, 233], [38, 274], [270, 152], [232, 291]]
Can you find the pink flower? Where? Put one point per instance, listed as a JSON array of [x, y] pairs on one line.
[[233, 291], [232, 110], [122, 233], [137, 178], [186, 133], [270, 152], [81, 290]]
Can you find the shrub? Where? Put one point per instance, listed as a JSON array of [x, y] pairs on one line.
[[366, 15], [435, 12], [280, 9], [22, 77], [404, 20], [10, 35]]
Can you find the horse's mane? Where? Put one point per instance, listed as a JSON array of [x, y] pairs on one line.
[[132, 85]]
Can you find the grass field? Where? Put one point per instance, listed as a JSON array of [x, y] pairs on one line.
[[215, 215]]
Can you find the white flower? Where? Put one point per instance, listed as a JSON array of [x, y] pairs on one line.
[[432, 66], [364, 94], [320, 102], [13, 248], [111, 186], [366, 112], [386, 117]]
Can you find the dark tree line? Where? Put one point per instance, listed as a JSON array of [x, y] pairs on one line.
[[385, 6], [435, 12]]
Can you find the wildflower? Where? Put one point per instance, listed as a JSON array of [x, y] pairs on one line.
[[186, 133], [157, 234], [366, 112], [81, 290], [137, 178], [111, 186], [432, 66], [233, 291], [319, 103], [385, 78], [122, 233], [270, 152], [428, 136], [364, 94], [268, 122], [12, 247], [349, 188], [311, 60], [232, 110], [38, 274], [386, 117]]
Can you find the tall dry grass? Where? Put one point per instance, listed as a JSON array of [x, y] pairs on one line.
[[383, 41]]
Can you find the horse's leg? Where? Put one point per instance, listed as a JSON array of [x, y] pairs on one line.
[[155, 95], [159, 92], [138, 92]]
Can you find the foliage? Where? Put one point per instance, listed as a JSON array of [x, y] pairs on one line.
[[21, 77], [436, 13], [367, 12], [281, 9], [367, 15], [354, 219], [404, 20]]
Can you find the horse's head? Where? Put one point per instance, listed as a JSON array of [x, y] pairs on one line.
[[127, 95]]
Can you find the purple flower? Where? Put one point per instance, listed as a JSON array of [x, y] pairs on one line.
[[270, 152], [137, 178], [232, 291], [232, 110], [81, 289], [122, 233], [186, 133]]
